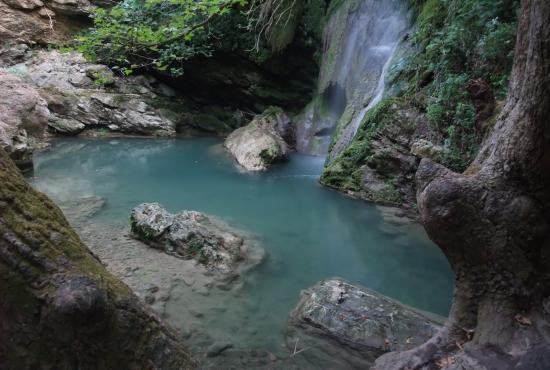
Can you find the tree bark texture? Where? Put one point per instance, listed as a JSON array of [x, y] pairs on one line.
[[492, 223]]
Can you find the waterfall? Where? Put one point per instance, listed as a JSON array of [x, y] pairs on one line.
[[361, 38]]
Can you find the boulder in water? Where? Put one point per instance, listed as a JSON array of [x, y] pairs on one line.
[[340, 325], [149, 221], [194, 235], [264, 141]]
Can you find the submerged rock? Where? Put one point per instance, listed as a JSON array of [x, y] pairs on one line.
[[194, 235], [264, 141], [82, 209], [340, 325]]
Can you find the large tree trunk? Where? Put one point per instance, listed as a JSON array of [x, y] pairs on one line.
[[492, 224], [59, 307]]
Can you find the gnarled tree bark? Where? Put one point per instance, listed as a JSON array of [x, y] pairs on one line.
[[59, 307], [492, 223]]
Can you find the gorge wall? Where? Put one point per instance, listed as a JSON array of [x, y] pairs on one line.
[[443, 90]]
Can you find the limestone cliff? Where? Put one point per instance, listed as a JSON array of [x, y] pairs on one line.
[[437, 98]]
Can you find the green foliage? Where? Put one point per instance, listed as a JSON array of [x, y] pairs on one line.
[[140, 233], [163, 34], [153, 33], [388, 195], [267, 157], [459, 41], [195, 249], [102, 78]]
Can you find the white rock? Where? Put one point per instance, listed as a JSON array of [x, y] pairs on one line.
[[261, 143]]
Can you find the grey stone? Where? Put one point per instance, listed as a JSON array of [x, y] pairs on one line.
[[23, 118], [149, 221], [342, 323], [423, 148], [66, 126], [83, 95], [194, 235], [25, 4]]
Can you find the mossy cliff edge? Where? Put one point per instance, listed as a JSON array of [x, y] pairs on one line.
[[60, 307], [444, 89]]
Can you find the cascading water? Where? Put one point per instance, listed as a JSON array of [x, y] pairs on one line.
[[361, 39]]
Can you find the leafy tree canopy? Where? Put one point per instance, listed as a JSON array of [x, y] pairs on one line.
[[159, 34]]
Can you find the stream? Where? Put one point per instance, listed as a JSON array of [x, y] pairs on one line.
[[309, 232]]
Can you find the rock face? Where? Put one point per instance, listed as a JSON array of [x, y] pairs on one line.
[[340, 325], [60, 308], [83, 96], [23, 119], [37, 21], [380, 163], [347, 87], [190, 234], [67, 95], [262, 142]]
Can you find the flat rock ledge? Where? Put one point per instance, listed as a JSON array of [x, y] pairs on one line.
[[194, 235], [340, 325], [263, 142], [82, 96]]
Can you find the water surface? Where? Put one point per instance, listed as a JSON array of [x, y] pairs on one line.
[[310, 233]]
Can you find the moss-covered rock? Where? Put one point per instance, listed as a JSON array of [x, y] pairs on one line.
[[378, 164], [60, 308], [194, 235], [340, 325], [439, 100], [264, 141]]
